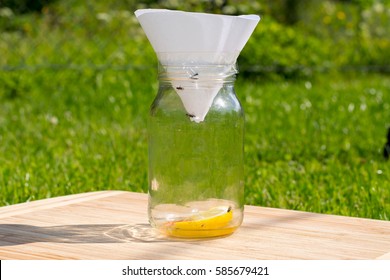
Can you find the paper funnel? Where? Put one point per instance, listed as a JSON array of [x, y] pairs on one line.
[[184, 40]]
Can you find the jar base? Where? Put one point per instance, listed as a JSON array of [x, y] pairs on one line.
[[177, 233], [191, 222]]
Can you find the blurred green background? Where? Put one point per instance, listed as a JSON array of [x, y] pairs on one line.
[[77, 79]]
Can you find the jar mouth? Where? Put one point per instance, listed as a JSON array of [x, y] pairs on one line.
[[197, 66], [198, 73]]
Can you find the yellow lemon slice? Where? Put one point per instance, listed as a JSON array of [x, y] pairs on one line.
[[210, 223]]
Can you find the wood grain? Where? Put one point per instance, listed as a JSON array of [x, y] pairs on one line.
[[113, 225]]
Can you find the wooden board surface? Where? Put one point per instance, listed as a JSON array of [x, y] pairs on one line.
[[113, 225]]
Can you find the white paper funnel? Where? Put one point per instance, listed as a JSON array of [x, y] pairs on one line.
[[184, 39]]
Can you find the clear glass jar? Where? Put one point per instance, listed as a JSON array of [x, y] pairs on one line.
[[196, 166]]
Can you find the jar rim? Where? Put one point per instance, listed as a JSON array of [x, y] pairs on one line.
[[198, 72]]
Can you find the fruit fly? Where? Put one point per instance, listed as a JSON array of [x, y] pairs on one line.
[[194, 76]]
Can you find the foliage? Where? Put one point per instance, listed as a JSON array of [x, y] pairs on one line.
[[332, 35], [275, 49], [25, 6], [356, 34]]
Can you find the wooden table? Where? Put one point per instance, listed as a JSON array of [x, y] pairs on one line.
[[113, 225]]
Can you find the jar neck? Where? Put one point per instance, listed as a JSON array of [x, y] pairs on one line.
[[197, 75]]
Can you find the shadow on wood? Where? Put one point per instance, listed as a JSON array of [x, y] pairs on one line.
[[16, 234]]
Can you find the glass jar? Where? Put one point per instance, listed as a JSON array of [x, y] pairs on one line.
[[196, 159]]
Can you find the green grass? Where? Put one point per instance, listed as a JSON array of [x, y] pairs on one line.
[[68, 135], [74, 101], [313, 146], [317, 146]]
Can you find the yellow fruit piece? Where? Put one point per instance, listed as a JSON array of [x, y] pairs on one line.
[[210, 223], [213, 218], [199, 233]]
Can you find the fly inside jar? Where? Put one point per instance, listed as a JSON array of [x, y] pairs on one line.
[[196, 123]]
